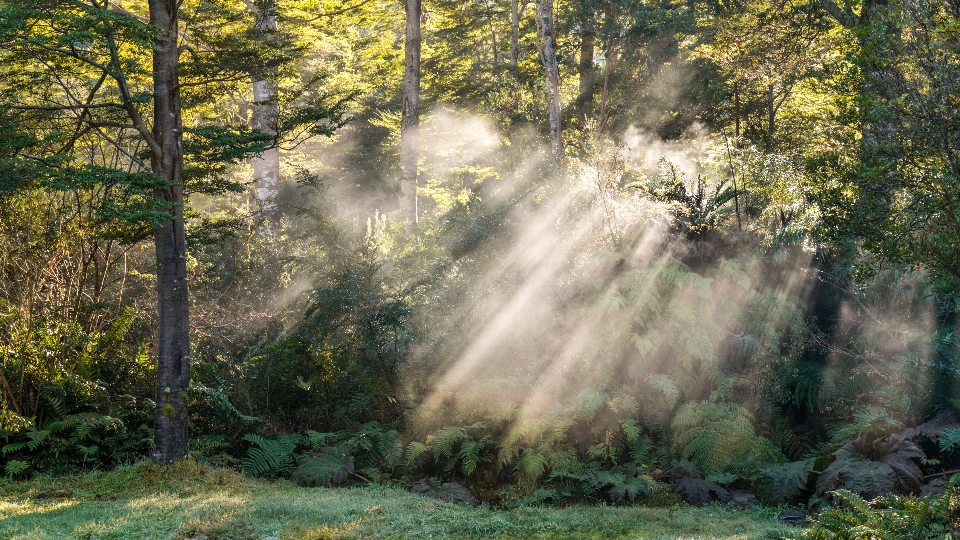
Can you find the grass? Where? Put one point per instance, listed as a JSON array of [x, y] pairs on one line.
[[188, 501]]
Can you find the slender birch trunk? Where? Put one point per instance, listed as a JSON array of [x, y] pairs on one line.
[[545, 25], [410, 114], [266, 167], [173, 342]]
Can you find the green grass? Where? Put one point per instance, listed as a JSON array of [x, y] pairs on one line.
[[187, 501]]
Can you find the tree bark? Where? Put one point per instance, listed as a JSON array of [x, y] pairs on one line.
[[736, 110], [266, 167], [610, 60], [588, 38], [173, 342], [771, 114], [410, 115], [545, 25], [514, 35]]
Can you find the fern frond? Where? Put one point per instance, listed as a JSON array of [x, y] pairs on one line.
[[665, 385]]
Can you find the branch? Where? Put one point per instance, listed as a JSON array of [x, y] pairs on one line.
[[128, 103], [339, 11], [119, 147], [941, 474], [65, 107], [842, 16]]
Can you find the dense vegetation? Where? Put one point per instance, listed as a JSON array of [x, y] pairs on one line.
[[657, 249]]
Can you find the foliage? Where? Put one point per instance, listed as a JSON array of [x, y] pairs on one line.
[[776, 292], [872, 467], [698, 210], [699, 491], [270, 457], [77, 441], [328, 465], [893, 516], [780, 484]]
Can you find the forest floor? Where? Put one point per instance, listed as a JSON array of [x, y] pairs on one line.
[[188, 501]]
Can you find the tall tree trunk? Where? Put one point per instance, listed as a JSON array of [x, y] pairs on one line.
[[514, 35], [610, 60], [266, 167], [545, 25], [410, 115], [771, 114], [588, 77], [736, 110], [173, 342]]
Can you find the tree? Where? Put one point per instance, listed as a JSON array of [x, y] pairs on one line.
[[410, 114], [113, 78], [266, 167], [79, 40], [548, 57], [173, 308]]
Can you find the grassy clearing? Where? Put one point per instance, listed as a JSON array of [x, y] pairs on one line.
[[190, 501]]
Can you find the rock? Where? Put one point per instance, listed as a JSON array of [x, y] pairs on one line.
[[741, 500], [935, 486], [448, 492], [792, 517]]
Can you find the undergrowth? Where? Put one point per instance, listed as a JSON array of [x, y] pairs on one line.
[[188, 500]]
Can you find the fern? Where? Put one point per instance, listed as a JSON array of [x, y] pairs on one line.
[[949, 440], [271, 457], [414, 450], [720, 437], [15, 467], [665, 385], [870, 421], [444, 440], [781, 484], [473, 453], [532, 464], [886, 518]]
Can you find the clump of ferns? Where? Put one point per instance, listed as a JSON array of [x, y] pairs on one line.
[[460, 449], [892, 517], [537, 448]]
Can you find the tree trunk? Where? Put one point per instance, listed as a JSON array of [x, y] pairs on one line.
[[610, 60], [173, 342], [514, 35], [771, 114], [587, 72], [736, 111], [266, 167], [410, 115], [549, 58]]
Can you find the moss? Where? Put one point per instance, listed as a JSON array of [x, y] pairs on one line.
[[169, 411]]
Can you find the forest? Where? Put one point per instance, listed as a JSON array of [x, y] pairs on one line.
[[586, 256]]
